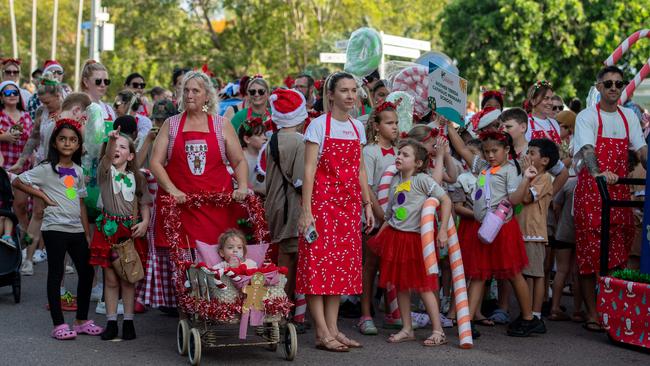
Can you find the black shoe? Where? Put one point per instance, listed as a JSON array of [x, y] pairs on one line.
[[300, 327], [541, 329], [546, 308], [169, 311], [523, 328], [350, 310], [110, 332], [475, 332], [128, 330]]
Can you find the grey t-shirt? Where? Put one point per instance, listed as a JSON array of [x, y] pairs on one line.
[[376, 163], [66, 215], [503, 182], [406, 200]]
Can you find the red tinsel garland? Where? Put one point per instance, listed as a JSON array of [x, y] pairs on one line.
[[278, 306], [208, 310]]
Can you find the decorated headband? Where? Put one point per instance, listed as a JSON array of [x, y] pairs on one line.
[[403, 135], [497, 94], [207, 71], [541, 83], [432, 134], [250, 124], [493, 135], [68, 121], [257, 76], [49, 82], [289, 81], [383, 106], [11, 61]]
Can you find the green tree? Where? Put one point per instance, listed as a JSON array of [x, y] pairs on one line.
[[503, 43]]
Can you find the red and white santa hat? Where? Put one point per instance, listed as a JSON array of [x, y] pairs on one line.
[[288, 108], [484, 118], [51, 66]]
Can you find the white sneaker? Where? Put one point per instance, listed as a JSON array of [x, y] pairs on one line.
[[69, 269], [27, 268], [39, 256], [24, 251], [97, 292], [100, 308]]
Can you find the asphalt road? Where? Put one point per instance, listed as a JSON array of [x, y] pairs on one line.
[[25, 329]]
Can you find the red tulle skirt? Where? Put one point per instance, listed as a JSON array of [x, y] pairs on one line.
[[402, 263], [502, 259], [100, 248]]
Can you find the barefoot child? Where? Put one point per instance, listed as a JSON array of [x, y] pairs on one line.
[[402, 263], [61, 186], [232, 250]]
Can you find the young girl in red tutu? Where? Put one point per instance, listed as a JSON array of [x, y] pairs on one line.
[[402, 263], [125, 215], [499, 179]]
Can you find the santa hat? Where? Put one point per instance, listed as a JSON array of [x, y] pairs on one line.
[[484, 118], [6, 83], [288, 108], [51, 65]]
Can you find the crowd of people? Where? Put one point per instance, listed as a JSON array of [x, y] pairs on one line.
[[89, 176]]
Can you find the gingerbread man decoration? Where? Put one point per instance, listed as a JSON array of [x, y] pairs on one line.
[[255, 293]]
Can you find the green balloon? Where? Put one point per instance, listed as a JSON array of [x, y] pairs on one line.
[[363, 53]]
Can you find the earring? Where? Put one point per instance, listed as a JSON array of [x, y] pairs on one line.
[[205, 108], [376, 139]]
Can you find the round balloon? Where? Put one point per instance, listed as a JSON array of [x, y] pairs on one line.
[[404, 109], [363, 53], [443, 61], [414, 80]]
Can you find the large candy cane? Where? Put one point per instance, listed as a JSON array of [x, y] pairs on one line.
[[457, 270], [619, 52]]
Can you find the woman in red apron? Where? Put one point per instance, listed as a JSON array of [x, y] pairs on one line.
[[335, 187], [539, 104], [189, 156]]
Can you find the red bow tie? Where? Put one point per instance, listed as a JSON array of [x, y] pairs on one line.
[[389, 151]]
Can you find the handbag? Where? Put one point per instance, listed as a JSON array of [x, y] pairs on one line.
[[493, 220], [128, 265]]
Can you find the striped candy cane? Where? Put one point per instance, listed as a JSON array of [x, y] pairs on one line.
[[457, 270], [625, 46], [382, 197], [427, 231], [301, 309], [638, 78]]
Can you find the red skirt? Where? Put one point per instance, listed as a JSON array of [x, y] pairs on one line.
[[502, 259], [100, 248], [402, 263]]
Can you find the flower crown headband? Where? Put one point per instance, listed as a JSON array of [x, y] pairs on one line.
[[68, 121], [385, 105], [541, 83]]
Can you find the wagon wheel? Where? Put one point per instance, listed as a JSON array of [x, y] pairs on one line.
[[194, 347], [290, 341], [182, 337]]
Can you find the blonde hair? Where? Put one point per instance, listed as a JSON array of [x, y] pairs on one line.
[[258, 81], [232, 233], [76, 99], [89, 68], [202, 78]]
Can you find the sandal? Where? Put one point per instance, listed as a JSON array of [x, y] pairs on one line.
[[437, 338], [88, 327], [62, 332], [326, 345], [350, 343], [593, 326], [559, 316], [485, 322], [407, 336], [579, 317]]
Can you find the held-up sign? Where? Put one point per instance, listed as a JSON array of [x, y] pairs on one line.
[[447, 94]]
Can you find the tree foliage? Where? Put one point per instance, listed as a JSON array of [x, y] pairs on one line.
[[512, 43]]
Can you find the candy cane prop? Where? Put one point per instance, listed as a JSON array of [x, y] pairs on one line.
[[457, 270], [619, 52], [415, 81], [301, 309]]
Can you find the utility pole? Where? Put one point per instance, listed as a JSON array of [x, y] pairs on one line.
[[55, 20], [34, 58], [14, 36], [77, 57]]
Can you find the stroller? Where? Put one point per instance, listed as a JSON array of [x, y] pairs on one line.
[[217, 300], [10, 258]]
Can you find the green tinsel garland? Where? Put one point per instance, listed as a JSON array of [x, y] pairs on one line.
[[633, 275]]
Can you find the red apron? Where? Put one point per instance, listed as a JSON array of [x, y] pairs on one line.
[[332, 264], [543, 134], [196, 165], [612, 155]]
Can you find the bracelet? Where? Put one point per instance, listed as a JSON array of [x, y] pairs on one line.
[[365, 203]]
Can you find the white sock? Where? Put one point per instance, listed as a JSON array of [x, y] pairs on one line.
[[539, 315]]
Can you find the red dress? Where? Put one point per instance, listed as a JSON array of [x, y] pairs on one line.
[[196, 164], [612, 155], [332, 264]]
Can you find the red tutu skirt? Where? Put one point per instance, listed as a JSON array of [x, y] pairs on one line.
[[502, 259], [402, 263], [100, 248]]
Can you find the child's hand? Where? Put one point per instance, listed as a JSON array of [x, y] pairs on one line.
[[441, 146], [530, 172], [234, 261], [48, 201], [525, 162], [442, 238], [115, 133], [139, 230]]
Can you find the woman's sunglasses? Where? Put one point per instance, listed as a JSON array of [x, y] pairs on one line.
[[107, 82], [252, 92], [12, 72], [558, 108], [138, 85], [10, 93], [57, 72], [618, 83]]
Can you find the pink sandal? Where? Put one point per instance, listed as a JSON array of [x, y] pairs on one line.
[[62, 332], [88, 327]]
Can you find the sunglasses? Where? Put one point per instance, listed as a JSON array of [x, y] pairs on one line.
[[138, 85], [620, 84], [107, 82], [558, 108], [12, 72], [57, 72], [252, 92], [10, 93]]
